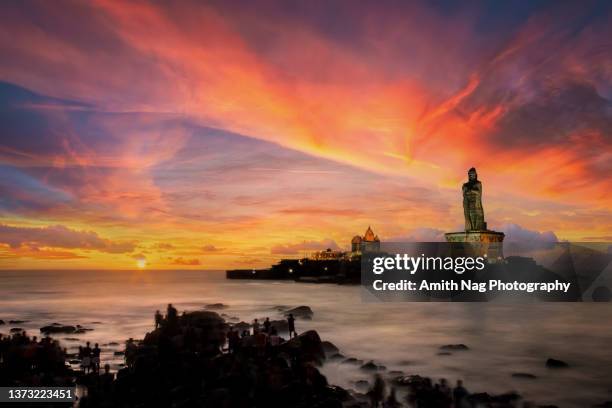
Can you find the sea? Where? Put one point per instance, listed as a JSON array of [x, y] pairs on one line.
[[503, 339]]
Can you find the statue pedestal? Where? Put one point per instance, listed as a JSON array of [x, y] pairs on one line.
[[484, 243]]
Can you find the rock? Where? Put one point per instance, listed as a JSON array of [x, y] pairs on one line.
[[53, 329], [307, 345], [411, 381], [242, 326], [75, 361], [444, 353], [302, 312], [363, 384], [17, 321], [486, 399], [329, 347], [71, 339], [396, 373], [16, 330], [2, 322], [454, 347], [119, 353], [336, 357], [216, 306], [353, 361], [371, 366], [524, 375], [553, 363], [279, 325], [113, 343]]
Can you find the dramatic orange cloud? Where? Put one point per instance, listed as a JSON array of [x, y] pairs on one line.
[[182, 128]]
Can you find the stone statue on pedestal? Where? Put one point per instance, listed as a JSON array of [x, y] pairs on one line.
[[472, 203], [477, 239]]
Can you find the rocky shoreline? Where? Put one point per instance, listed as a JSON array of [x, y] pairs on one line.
[[185, 362]]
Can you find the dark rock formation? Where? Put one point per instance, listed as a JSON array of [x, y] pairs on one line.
[[307, 346], [282, 326], [301, 312], [241, 326], [524, 375], [353, 361], [216, 306], [553, 363], [54, 329], [183, 364], [454, 347], [336, 357], [371, 366], [329, 347]]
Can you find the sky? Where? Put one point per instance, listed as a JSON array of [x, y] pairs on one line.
[[230, 134]]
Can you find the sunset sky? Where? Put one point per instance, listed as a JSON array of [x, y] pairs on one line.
[[233, 133]]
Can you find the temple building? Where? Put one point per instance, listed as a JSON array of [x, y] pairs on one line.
[[368, 243], [327, 255]]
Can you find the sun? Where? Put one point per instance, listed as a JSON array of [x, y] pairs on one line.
[[141, 263]]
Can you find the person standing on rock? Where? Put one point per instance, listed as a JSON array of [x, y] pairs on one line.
[[291, 324], [158, 319], [460, 395], [255, 327], [95, 361], [232, 340], [266, 325], [171, 313], [86, 361]]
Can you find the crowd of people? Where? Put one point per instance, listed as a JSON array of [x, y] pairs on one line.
[[262, 336], [31, 360]]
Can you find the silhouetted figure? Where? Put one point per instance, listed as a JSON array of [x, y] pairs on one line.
[[291, 324], [233, 340], [377, 392], [274, 339], [261, 341], [255, 326], [158, 319], [266, 325], [86, 360], [171, 314], [392, 401], [106, 379], [130, 352], [95, 353], [460, 395]]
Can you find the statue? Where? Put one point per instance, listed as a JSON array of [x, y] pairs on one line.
[[472, 203], [477, 239]]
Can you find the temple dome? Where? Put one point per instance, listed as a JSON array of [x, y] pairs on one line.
[[356, 240]]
